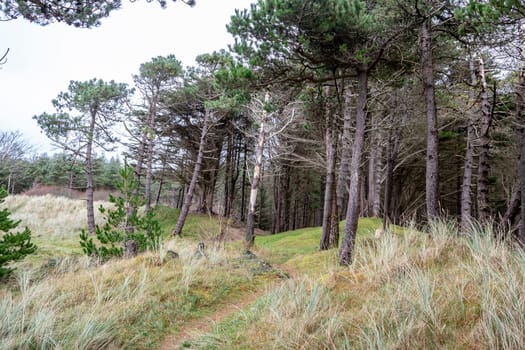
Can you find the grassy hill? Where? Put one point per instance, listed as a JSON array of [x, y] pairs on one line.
[[406, 290]]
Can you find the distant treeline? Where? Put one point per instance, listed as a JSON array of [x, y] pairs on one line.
[[60, 169]]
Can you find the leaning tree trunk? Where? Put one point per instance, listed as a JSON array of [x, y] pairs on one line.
[[466, 187], [484, 140], [520, 96], [250, 220], [432, 165], [352, 212], [89, 176], [342, 180], [193, 183]]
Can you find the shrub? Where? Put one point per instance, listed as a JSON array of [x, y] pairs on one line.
[[13, 246], [123, 223]]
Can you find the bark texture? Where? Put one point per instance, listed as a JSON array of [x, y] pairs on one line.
[[432, 162], [520, 96], [346, 149], [352, 212], [330, 147], [484, 149], [466, 186]]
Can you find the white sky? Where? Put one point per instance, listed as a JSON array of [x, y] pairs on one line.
[[42, 60]]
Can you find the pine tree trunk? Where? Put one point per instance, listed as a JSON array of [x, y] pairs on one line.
[[520, 97], [243, 184], [285, 219], [352, 212], [484, 139], [196, 171], [330, 175], [346, 149], [466, 187], [466, 202], [374, 174], [228, 175], [89, 176], [333, 241], [276, 203], [250, 221], [432, 165]]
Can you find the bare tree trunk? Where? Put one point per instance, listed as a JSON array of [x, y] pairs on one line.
[[243, 184], [157, 197], [374, 174], [196, 171], [250, 222], [521, 169], [89, 176], [520, 96], [484, 139], [276, 203], [333, 241], [352, 212], [228, 175], [466, 188], [330, 135], [285, 220], [466, 201], [432, 165], [261, 198], [342, 180]]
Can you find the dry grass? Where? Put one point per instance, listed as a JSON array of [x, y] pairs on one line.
[[49, 216], [121, 304], [404, 291]]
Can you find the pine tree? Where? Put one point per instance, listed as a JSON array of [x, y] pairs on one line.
[[13, 246]]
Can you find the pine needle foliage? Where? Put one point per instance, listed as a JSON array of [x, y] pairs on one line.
[[14, 246], [123, 224]]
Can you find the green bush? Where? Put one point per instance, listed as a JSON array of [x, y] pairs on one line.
[[123, 223], [13, 246]]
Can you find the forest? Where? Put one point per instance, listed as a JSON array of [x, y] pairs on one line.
[[394, 110], [323, 113]]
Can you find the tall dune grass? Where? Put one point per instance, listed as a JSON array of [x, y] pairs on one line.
[[416, 290], [127, 303], [51, 216]]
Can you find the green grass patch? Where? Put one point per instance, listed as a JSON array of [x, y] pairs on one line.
[[196, 226], [282, 247]]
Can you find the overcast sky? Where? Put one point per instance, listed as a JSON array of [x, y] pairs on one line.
[[42, 60]]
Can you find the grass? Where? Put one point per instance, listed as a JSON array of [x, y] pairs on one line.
[[405, 290], [196, 226], [56, 222], [411, 290], [283, 246], [130, 304]]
